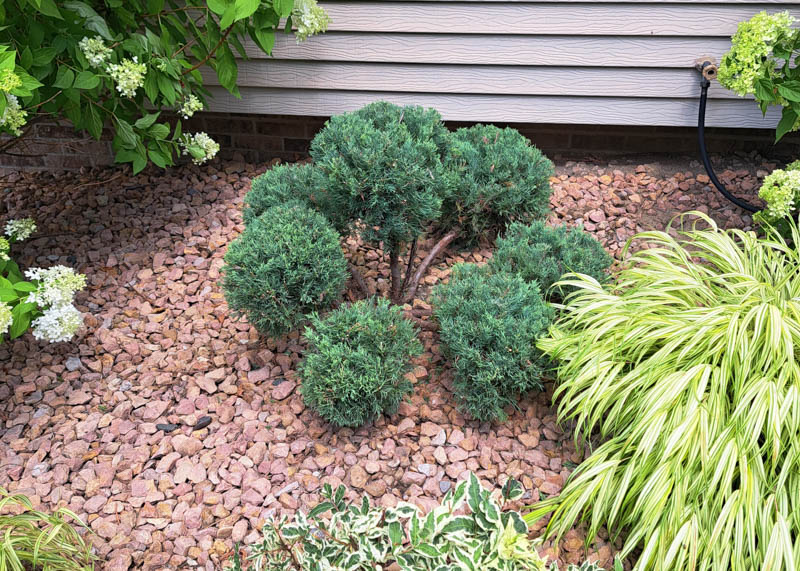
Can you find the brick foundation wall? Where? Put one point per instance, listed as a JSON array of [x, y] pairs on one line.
[[258, 138]]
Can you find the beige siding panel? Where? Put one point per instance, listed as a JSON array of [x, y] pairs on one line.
[[695, 19], [615, 62], [499, 80], [498, 50], [770, 4], [503, 108]]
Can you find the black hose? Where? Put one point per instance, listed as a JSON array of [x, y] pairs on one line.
[[701, 139]]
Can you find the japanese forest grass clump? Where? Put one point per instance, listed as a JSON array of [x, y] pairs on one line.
[[470, 530], [543, 254], [686, 367], [32, 539], [357, 360], [496, 176], [489, 325], [287, 263]]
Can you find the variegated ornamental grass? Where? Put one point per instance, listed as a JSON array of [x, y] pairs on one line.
[[685, 369], [31, 539]]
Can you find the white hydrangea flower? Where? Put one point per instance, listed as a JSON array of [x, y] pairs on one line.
[[13, 117], [57, 323], [310, 19], [5, 318], [5, 246], [9, 80], [780, 190], [200, 146], [20, 229], [57, 285], [191, 106], [95, 50], [128, 75]]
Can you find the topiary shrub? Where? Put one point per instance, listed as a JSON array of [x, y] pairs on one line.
[[287, 263], [302, 183], [497, 176], [489, 326], [356, 363], [385, 174], [542, 254]]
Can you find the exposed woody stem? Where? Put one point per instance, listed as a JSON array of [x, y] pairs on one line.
[[287, 548], [410, 265], [423, 266], [211, 53], [13, 142], [397, 283], [359, 279]]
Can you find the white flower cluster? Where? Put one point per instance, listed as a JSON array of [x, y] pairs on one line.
[[191, 106], [95, 50], [58, 323], [56, 288], [5, 318], [57, 285], [310, 19], [780, 190], [200, 146], [9, 80], [20, 229], [5, 246], [13, 117], [751, 49], [128, 75]]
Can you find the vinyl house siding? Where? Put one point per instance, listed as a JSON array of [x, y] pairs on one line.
[[557, 61]]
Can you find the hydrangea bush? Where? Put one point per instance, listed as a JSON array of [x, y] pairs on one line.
[[122, 64], [761, 63], [780, 190], [44, 302], [469, 531]]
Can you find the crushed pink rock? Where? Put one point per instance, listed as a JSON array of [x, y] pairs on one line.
[[161, 347]]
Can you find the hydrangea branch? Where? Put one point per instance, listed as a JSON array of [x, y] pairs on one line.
[[120, 65]]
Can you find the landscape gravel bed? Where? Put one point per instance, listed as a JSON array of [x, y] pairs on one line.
[[82, 424]]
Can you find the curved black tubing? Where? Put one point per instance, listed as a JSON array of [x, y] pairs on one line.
[[701, 139]]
